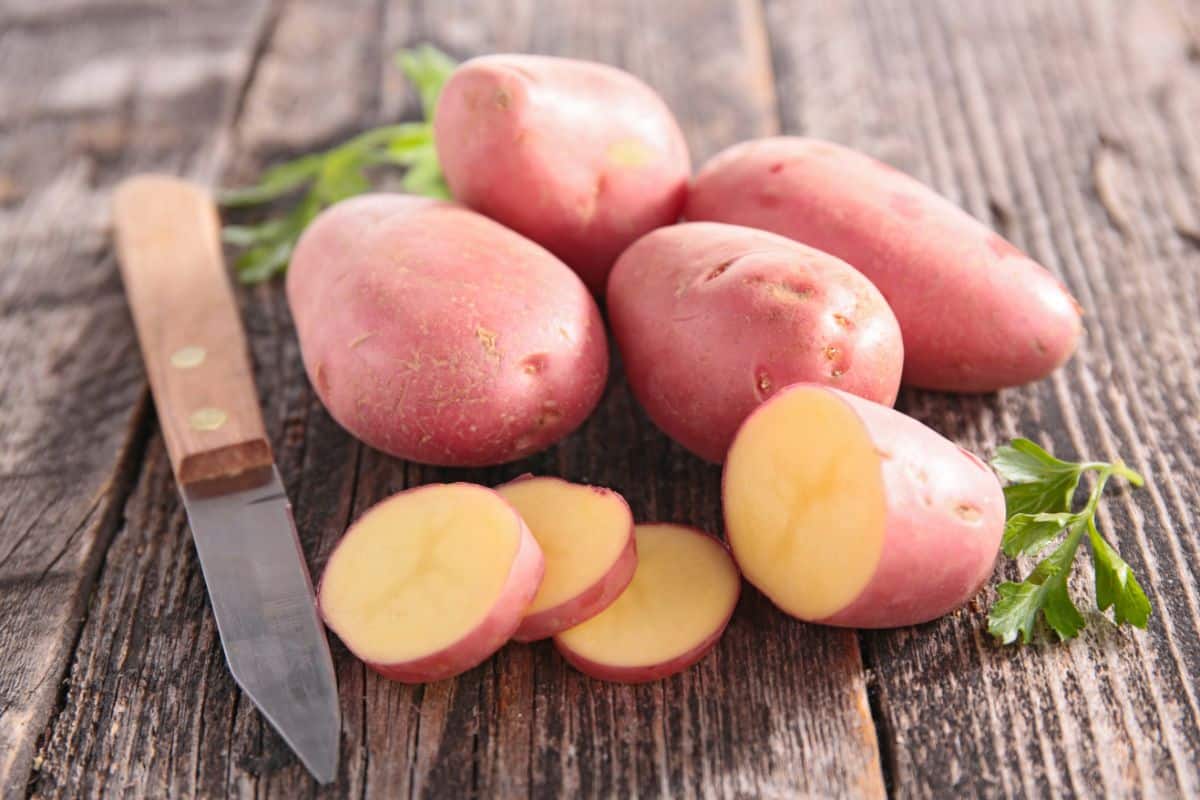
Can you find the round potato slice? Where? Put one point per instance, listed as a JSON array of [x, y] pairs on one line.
[[586, 537], [431, 581], [672, 613]]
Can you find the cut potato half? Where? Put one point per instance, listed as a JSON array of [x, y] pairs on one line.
[[674, 610], [846, 512], [431, 581]]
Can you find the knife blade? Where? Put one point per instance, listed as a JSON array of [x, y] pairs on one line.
[[192, 340]]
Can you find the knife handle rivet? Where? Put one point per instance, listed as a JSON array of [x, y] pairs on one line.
[[188, 357], [207, 419]]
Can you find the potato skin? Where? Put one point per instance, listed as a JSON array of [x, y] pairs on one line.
[[945, 522], [977, 314], [713, 319], [643, 674], [436, 335], [583, 158]]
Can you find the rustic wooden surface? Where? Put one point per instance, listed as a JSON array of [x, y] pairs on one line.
[[1067, 124]]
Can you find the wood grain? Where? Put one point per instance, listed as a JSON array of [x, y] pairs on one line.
[[73, 408], [1066, 124], [168, 240], [1060, 124]]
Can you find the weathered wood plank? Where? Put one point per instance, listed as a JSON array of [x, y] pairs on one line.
[[792, 719], [73, 416], [1067, 125]]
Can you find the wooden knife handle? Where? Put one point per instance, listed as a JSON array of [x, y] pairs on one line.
[[169, 247]]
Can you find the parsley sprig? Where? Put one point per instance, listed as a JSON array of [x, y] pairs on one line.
[[341, 172], [1038, 500]]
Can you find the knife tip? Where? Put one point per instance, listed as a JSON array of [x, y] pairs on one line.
[[317, 748], [322, 766]]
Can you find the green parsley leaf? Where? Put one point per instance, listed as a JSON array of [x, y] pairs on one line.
[[1050, 496], [427, 69], [275, 183], [1116, 587], [1027, 534], [1023, 461], [1058, 610], [424, 177], [1045, 592], [1038, 497], [1015, 612], [340, 172], [1039, 482]]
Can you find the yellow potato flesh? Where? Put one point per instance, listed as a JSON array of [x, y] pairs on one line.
[[684, 589], [804, 503], [580, 530], [419, 572]]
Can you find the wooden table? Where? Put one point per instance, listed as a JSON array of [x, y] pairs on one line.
[[1069, 125]]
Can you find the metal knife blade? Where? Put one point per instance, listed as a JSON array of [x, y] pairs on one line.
[[262, 598]]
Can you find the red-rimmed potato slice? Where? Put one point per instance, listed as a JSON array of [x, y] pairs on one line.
[[672, 613], [431, 581], [586, 537]]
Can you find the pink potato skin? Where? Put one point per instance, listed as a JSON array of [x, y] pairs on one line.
[[713, 319], [588, 603], [977, 314], [653, 672], [583, 158], [491, 634], [436, 335], [945, 519]]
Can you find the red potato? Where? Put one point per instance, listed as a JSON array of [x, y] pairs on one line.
[[580, 157], [436, 335], [713, 319], [430, 582], [586, 537], [849, 513], [673, 612], [977, 314]]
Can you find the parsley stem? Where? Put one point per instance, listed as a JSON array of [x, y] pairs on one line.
[[1125, 472], [1117, 467], [1089, 511]]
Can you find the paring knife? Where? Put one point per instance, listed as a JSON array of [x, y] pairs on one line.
[[191, 337]]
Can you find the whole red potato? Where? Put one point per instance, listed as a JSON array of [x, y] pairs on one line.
[[437, 335], [977, 313], [583, 158]]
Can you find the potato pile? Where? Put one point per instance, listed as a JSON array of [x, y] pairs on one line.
[[771, 332]]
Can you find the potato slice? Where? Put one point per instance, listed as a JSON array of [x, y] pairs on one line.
[[586, 537], [431, 581], [849, 513], [672, 613]]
